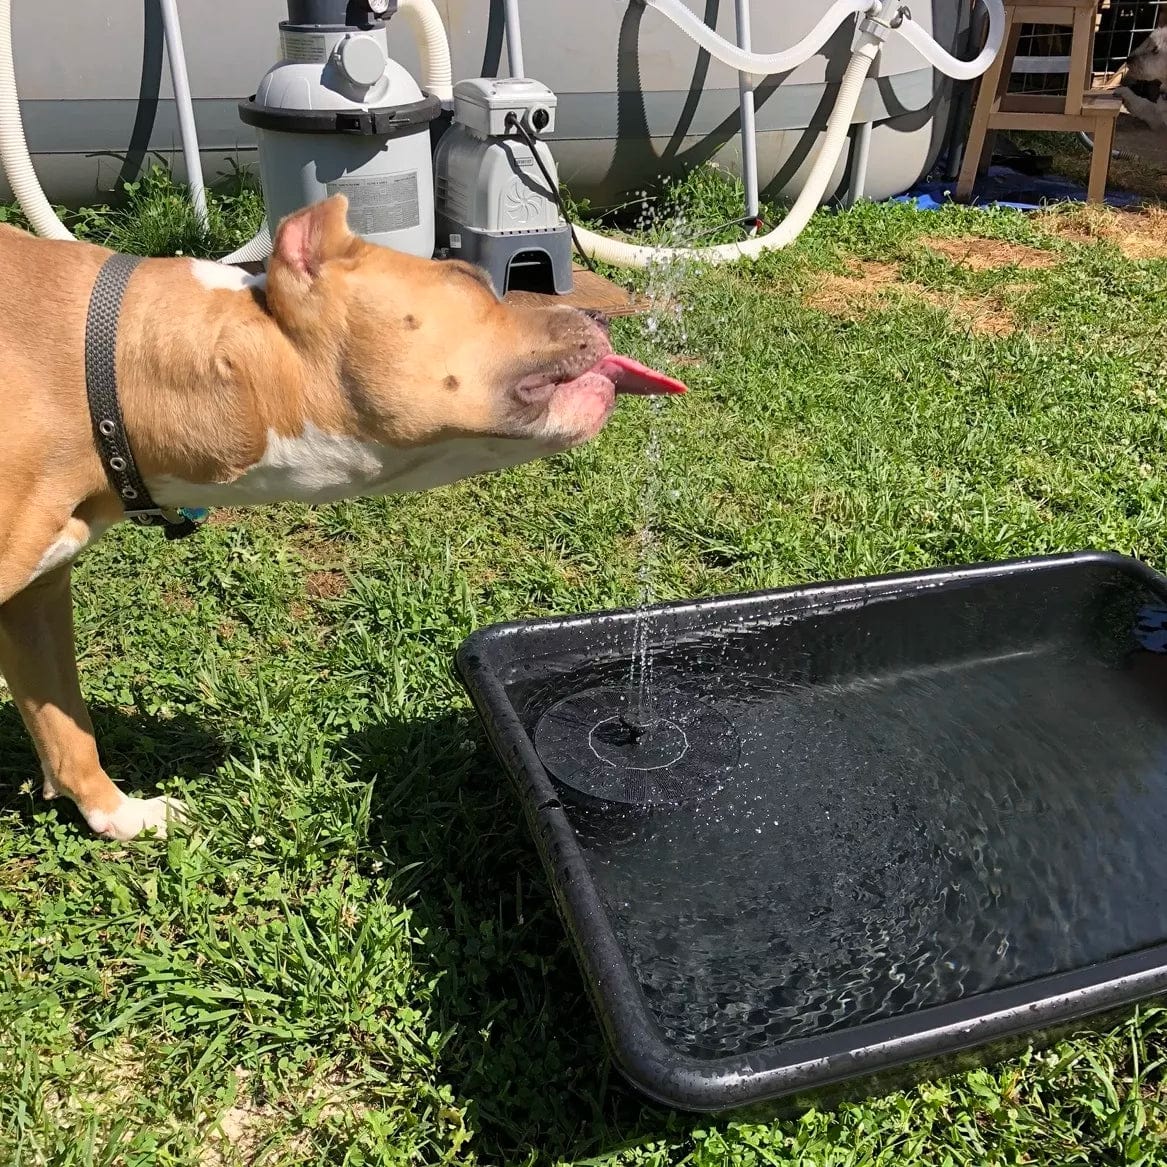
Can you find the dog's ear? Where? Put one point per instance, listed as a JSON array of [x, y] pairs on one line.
[[306, 240], [307, 243]]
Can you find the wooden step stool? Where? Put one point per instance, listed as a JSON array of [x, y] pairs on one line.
[[1082, 108]]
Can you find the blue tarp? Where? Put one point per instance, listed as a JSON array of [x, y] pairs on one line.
[[1004, 187]]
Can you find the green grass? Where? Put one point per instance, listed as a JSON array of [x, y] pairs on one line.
[[352, 956], [154, 216]]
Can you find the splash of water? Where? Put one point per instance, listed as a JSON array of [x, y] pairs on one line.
[[665, 327], [642, 711]]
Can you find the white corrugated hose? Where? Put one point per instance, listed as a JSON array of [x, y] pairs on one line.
[[621, 254], [14, 156], [881, 18], [13, 147]]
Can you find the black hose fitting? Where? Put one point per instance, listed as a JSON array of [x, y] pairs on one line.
[[332, 15]]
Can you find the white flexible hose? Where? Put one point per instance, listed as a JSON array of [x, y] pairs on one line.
[[621, 254], [14, 156], [946, 62], [765, 64], [762, 64], [437, 74], [191, 157], [255, 250]]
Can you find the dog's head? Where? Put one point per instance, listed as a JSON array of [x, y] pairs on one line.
[[1149, 60], [429, 358]]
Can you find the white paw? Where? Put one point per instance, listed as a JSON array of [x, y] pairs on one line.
[[50, 789], [137, 815]]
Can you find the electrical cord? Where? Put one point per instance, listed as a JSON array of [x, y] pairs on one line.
[[512, 120]]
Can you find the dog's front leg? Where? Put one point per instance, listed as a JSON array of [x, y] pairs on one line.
[[38, 660]]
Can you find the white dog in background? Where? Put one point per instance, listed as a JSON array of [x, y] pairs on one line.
[[1148, 63]]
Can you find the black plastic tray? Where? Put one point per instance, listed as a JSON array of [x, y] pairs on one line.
[[947, 830]]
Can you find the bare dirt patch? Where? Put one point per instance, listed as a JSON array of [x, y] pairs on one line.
[[987, 315], [246, 1128], [869, 286], [1138, 234], [243, 1129], [326, 585], [225, 516], [251, 1131], [991, 254], [842, 295]]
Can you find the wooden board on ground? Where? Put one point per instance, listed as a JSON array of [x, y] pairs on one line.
[[592, 293]]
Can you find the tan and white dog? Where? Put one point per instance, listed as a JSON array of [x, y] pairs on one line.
[[348, 370], [1147, 63]]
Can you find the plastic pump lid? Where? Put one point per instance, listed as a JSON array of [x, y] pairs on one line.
[[362, 59]]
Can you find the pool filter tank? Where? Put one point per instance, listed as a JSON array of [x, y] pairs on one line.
[[497, 186], [337, 115]]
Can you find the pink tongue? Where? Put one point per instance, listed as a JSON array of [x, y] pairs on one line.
[[631, 376]]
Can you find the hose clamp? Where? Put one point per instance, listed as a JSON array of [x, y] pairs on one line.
[[872, 27], [879, 29]]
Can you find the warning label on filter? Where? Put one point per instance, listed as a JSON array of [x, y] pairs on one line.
[[389, 202], [304, 48]]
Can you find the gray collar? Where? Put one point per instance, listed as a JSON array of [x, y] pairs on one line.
[[113, 443]]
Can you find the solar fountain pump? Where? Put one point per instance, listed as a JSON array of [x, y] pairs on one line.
[[337, 115], [498, 188]]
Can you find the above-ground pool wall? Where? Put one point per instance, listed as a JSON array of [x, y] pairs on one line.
[[96, 96], [637, 99]]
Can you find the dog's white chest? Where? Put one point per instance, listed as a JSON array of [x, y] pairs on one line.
[[316, 467], [76, 536]]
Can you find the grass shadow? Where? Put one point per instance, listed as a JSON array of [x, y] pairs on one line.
[[138, 750], [523, 1042]]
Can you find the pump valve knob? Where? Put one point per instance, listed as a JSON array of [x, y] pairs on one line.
[[362, 59]]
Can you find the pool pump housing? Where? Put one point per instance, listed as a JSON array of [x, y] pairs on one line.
[[495, 206], [337, 115]]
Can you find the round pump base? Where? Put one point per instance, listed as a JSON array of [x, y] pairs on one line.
[[602, 748]]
